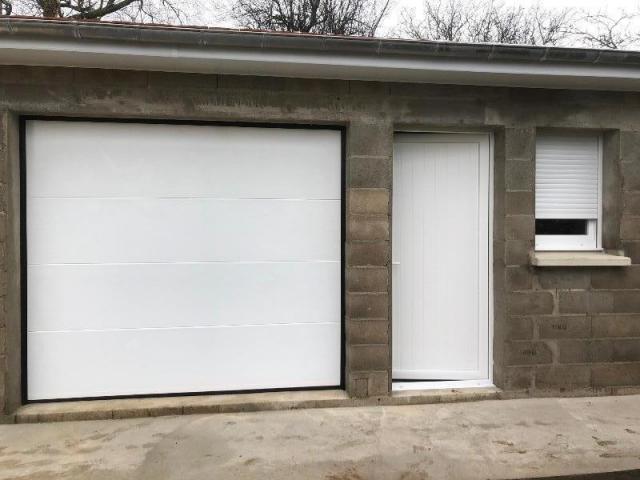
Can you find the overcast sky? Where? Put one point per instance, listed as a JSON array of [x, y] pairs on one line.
[[591, 5], [398, 5], [214, 12]]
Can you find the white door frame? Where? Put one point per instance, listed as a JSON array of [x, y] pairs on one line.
[[485, 382]]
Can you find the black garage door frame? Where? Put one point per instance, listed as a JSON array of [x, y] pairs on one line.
[[23, 119]]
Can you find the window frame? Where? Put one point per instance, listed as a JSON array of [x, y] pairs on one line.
[[592, 241]]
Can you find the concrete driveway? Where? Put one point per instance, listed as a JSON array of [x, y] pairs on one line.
[[489, 439]]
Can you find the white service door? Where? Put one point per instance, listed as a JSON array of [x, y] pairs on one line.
[[180, 258], [441, 257]]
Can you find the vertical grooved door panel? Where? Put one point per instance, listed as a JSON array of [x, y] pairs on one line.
[[440, 257], [168, 259]]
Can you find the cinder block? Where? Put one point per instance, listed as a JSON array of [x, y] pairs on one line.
[[519, 203], [358, 386], [563, 377], [367, 279], [378, 384], [520, 227], [499, 248], [369, 200], [520, 175], [616, 326], [517, 252], [368, 332], [630, 175], [4, 284], [581, 301], [632, 250], [563, 278], [3, 384], [3, 226], [519, 143], [630, 228], [624, 302], [616, 278], [602, 302], [369, 357], [626, 350], [519, 328], [530, 303], [361, 227], [631, 203], [370, 139], [518, 278], [365, 254], [369, 172], [566, 326], [361, 305], [527, 353], [615, 375], [584, 351], [518, 378]]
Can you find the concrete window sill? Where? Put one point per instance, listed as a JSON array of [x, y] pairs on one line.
[[577, 259]]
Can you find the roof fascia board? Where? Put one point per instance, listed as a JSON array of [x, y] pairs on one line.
[[308, 64]]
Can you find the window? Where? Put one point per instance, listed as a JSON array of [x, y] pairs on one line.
[[568, 192]]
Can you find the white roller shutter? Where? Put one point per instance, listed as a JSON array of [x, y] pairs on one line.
[[567, 176]]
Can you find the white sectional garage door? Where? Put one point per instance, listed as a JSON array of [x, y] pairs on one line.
[[181, 258]]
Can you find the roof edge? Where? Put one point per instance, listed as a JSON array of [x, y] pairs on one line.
[[217, 50], [217, 36]]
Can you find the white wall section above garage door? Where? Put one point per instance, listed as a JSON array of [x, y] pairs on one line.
[[181, 258]]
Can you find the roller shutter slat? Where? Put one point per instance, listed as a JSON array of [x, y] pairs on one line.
[[567, 177]]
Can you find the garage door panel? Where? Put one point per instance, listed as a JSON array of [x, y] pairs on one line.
[[181, 258], [177, 160], [86, 364], [72, 297], [177, 230]]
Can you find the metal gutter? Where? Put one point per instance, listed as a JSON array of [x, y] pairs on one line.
[[214, 50]]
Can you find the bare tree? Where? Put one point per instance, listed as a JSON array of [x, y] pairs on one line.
[[338, 17], [442, 20], [552, 27], [605, 30], [5, 7], [150, 10], [488, 22]]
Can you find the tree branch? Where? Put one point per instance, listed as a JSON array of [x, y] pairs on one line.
[[106, 10]]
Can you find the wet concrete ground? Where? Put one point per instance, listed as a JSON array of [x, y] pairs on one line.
[[489, 439]]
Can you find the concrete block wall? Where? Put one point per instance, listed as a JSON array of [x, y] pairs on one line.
[[569, 329], [4, 148], [554, 329], [368, 328]]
